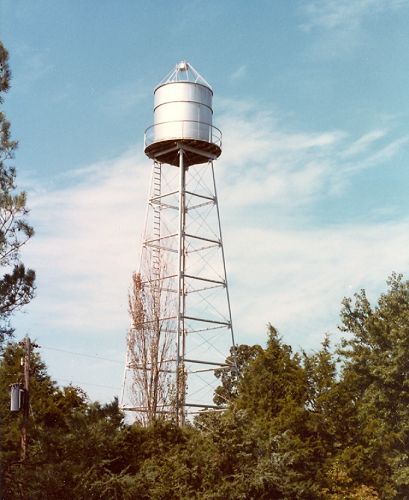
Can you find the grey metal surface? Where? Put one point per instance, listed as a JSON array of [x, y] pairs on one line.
[[183, 110]]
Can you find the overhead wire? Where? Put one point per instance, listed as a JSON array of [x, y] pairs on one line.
[[81, 354], [87, 356], [73, 353], [73, 382]]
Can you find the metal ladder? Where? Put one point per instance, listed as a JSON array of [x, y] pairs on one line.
[[156, 254]]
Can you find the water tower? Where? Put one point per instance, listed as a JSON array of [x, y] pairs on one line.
[[181, 317]]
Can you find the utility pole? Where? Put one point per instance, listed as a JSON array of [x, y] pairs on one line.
[[26, 395]]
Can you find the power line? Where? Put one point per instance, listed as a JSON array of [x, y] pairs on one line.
[[85, 356], [81, 354], [88, 383]]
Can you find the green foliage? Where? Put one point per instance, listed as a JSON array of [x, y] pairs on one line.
[[376, 371], [274, 381], [16, 282], [50, 409], [230, 375], [319, 425], [340, 487]]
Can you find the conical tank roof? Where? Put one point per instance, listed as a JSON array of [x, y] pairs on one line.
[[184, 72]]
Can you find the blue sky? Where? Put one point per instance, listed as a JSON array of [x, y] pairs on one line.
[[311, 97]]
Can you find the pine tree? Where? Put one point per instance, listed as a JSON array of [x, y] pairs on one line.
[[16, 282]]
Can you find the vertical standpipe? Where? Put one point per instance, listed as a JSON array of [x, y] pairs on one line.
[[180, 360]]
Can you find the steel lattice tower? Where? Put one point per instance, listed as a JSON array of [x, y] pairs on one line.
[[182, 327]]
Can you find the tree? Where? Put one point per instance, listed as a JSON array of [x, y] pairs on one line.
[[16, 282], [273, 380], [231, 374], [49, 408], [265, 433], [375, 353], [331, 419], [70, 439], [151, 349]]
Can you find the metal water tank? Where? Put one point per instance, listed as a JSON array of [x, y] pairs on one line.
[[183, 112]]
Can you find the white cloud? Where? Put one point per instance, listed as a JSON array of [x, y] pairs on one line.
[[341, 25], [34, 66], [362, 144], [85, 246], [239, 73], [296, 278], [89, 223], [263, 163], [123, 98], [345, 14]]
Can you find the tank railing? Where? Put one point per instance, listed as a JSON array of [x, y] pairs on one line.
[[183, 129]]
